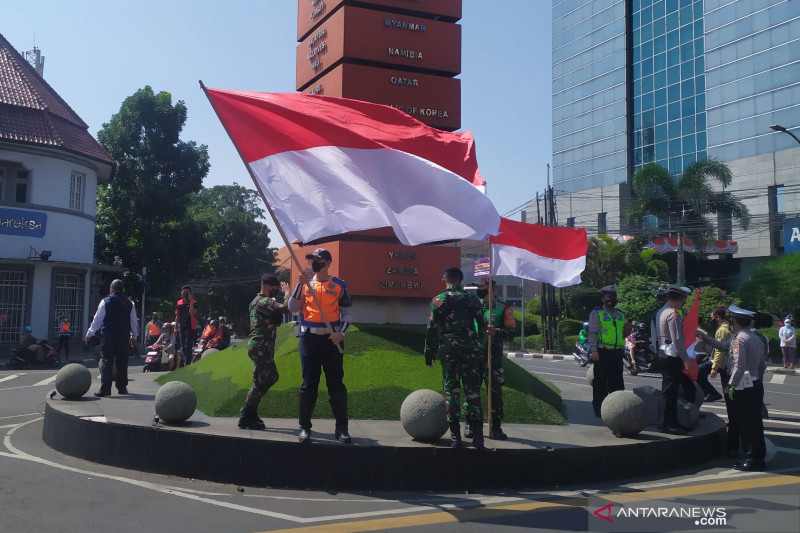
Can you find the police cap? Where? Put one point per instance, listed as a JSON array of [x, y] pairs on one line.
[[674, 290], [320, 253], [609, 288], [738, 311]]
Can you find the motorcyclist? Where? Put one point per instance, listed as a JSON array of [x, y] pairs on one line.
[[638, 337], [226, 334], [167, 340], [212, 336]]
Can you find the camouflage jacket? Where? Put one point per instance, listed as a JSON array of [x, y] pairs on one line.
[[266, 314], [452, 322]]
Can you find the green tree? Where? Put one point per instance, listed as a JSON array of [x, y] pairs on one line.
[[710, 299], [141, 213], [682, 205], [636, 297], [773, 286], [236, 250], [608, 261]]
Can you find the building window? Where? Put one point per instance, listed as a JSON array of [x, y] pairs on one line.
[[68, 301], [602, 223], [13, 298], [76, 190], [571, 222], [21, 187], [780, 200]]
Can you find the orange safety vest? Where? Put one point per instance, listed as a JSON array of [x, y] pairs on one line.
[[153, 329], [65, 327], [328, 293]]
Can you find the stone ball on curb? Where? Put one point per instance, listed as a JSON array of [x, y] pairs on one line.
[[208, 352], [73, 381], [590, 376], [175, 402], [624, 413], [423, 415]]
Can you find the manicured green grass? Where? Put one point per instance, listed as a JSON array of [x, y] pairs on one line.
[[383, 364]]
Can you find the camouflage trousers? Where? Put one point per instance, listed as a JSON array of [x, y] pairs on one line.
[[498, 380], [265, 373], [461, 369]]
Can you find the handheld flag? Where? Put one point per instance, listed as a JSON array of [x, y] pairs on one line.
[[542, 253], [689, 326], [326, 166]]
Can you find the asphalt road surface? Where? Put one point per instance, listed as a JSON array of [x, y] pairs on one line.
[[42, 490]]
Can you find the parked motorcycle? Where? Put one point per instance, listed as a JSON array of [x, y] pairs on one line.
[[38, 354]]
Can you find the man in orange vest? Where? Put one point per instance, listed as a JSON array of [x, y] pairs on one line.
[[153, 329], [319, 349], [63, 337]]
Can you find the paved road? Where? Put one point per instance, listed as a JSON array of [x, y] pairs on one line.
[[42, 490]]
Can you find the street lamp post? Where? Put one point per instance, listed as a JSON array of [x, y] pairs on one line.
[[776, 127]]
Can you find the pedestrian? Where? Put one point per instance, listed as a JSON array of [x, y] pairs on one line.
[[116, 316], [607, 343], [673, 357], [153, 329], [705, 363], [186, 323], [501, 328], [266, 314], [746, 389], [63, 337], [455, 319], [320, 348], [788, 343]]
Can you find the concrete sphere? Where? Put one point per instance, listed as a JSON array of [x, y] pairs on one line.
[[175, 402], [73, 381], [208, 352], [423, 415], [624, 413], [590, 376]]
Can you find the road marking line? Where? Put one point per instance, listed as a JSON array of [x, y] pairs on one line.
[[17, 416], [782, 434], [9, 378], [788, 450], [46, 381], [778, 379]]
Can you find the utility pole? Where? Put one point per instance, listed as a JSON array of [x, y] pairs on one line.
[[141, 320], [549, 305]]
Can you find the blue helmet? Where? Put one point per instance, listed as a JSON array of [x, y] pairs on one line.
[[27, 329]]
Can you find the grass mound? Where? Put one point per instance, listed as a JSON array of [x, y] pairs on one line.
[[382, 365]]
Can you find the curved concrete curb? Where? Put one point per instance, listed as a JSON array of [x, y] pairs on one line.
[[185, 452]]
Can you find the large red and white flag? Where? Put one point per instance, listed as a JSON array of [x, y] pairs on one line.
[[328, 165], [542, 253]]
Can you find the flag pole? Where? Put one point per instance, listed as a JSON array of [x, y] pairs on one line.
[[272, 214], [489, 342]]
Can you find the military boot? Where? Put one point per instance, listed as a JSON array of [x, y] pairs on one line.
[[497, 433], [477, 434], [249, 418], [455, 435]]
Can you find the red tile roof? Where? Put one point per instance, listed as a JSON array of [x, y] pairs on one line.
[[31, 112]]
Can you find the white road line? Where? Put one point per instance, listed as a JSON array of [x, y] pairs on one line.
[[778, 379], [46, 381], [782, 434], [17, 416], [794, 451], [9, 378]]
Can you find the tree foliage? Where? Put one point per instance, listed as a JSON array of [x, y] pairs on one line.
[[773, 286], [636, 297], [141, 213], [609, 260]]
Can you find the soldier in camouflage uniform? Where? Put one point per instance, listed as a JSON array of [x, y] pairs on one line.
[[266, 314], [501, 328], [453, 336]]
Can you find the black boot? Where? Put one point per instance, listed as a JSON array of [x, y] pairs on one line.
[[338, 401], [497, 433], [477, 434], [249, 418], [455, 435], [306, 402]]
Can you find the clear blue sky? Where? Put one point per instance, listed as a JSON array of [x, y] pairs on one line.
[[100, 52]]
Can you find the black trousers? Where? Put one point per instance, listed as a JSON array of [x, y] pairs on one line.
[[114, 353], [63, 342], [671, 372], [732, 437], [607, 376], [318, 354], [747, 411]]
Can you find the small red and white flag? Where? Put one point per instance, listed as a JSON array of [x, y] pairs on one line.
[[690, 324], [328, 165], [542, 253]]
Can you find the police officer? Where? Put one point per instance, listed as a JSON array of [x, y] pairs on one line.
[[672, 355], [453, 335], [606, 344], [501, 327], [320, 349], [117, 317], [266, 314], [746, 389]]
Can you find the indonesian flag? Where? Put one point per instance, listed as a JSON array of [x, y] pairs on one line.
[[689, 326], [542, 253], [328, 165]]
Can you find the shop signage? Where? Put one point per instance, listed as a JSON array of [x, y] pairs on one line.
[[791, 236], [25, 223]]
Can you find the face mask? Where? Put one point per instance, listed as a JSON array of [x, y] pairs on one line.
[[316, 266], [482, 293], [611, 302]]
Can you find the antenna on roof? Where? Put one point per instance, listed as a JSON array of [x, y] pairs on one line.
[[36, 59]]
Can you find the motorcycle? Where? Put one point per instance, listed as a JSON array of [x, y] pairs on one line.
[[643, 358], [153, 361], [581, 354], [25, 357]]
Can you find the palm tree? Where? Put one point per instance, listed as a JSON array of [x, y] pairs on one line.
[[683, 203]]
